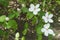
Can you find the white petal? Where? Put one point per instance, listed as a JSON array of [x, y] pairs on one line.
[[32, 5], [50, 20], [37, 6], [50, 31], [54, 34], [7, 18], [35, 12], [38, 9], [46, 33], [31, 9], [46, 26], [43, 30], [17, 34], [45, 19], [46, 14], [50, 15]]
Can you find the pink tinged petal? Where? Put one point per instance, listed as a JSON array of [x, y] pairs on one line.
[[50, 15], [46, 26], [43, 30], [37, 6], [35, 12], [46, 33], [50, 20]]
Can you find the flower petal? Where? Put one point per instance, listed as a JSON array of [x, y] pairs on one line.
[[50, 20], [31, 9], [50, 15], [54, 34], [46, 15], [46, 33], [43, 30], [38, 9], [37, 6], [35, 12], [45, 19], [50, 31], [32, 5], [46, 26]]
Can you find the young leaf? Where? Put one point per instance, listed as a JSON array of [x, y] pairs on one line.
[[23, 38]]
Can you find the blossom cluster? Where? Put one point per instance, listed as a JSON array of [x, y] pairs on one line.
[[46, 29], [47, 19]]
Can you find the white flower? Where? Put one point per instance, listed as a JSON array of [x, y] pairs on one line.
[[17, 35], [23, 5], [7, 18], [47, 31], [34, 9], [18, 9], [47, 18]]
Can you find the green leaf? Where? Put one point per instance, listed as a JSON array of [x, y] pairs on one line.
[[25, 28], [1, 32], [26, 25], [24, 32], [29, 15], [34, 20], [38, 31], [39, 37], [23, 38], [58, 1], [24, 9], [17, 14], [11, 15], [4, 2], [10, 24], [41, 13], [2, 18], [50, 37]]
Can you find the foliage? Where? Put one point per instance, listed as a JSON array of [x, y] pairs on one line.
[[27, 18]]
